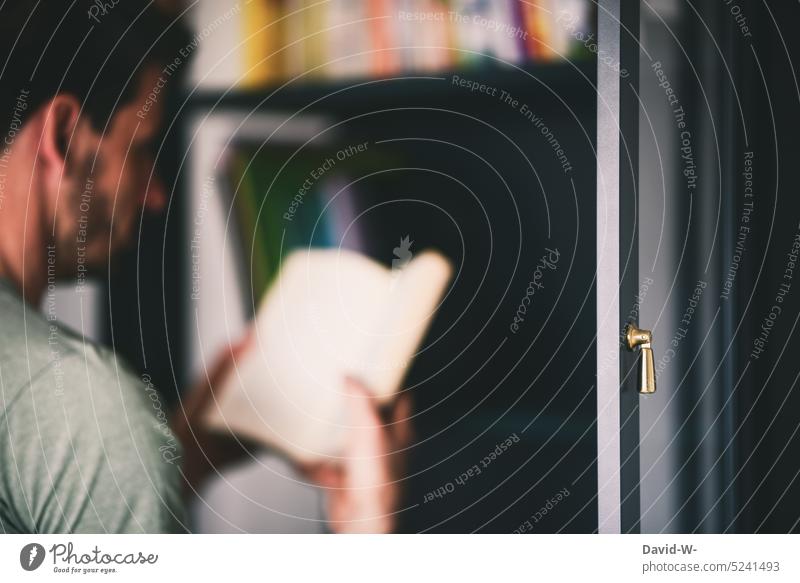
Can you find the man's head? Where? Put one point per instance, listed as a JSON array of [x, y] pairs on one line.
[[82, 91]]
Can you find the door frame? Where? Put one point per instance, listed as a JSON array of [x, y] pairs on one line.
[[617, 265]]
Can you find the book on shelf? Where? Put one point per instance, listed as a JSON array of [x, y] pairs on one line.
[[261, 42], [267, 41]]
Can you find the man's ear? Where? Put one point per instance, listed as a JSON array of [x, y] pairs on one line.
[[61, 119]]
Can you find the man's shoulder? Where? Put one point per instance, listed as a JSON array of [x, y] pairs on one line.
[[50, 373], [29, 343], [71, 408], [37, 352], [54, 367], [85, 430]]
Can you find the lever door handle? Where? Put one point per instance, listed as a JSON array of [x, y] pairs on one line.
[[635, 337]]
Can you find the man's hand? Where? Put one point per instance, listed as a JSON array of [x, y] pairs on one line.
[[363, 488]]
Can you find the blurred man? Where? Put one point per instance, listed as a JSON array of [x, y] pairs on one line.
[[80, 447]]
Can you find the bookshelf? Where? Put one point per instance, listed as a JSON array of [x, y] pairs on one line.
[[417, 115], [472, 176]]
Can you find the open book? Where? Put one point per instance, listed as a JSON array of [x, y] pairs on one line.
[[329, 314]]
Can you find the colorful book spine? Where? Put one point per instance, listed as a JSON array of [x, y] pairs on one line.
[[294, 43], [503, 31], [315, 17], [347, 46], [261, 20], [387, 56]]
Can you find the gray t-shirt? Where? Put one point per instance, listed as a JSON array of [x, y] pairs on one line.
[[84, 443]]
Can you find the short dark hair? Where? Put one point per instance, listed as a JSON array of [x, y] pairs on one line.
[[93, 49]]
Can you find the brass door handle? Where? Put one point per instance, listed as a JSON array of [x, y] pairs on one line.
[[647, 370]]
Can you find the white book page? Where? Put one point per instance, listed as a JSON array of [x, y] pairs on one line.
[[330, 314]]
